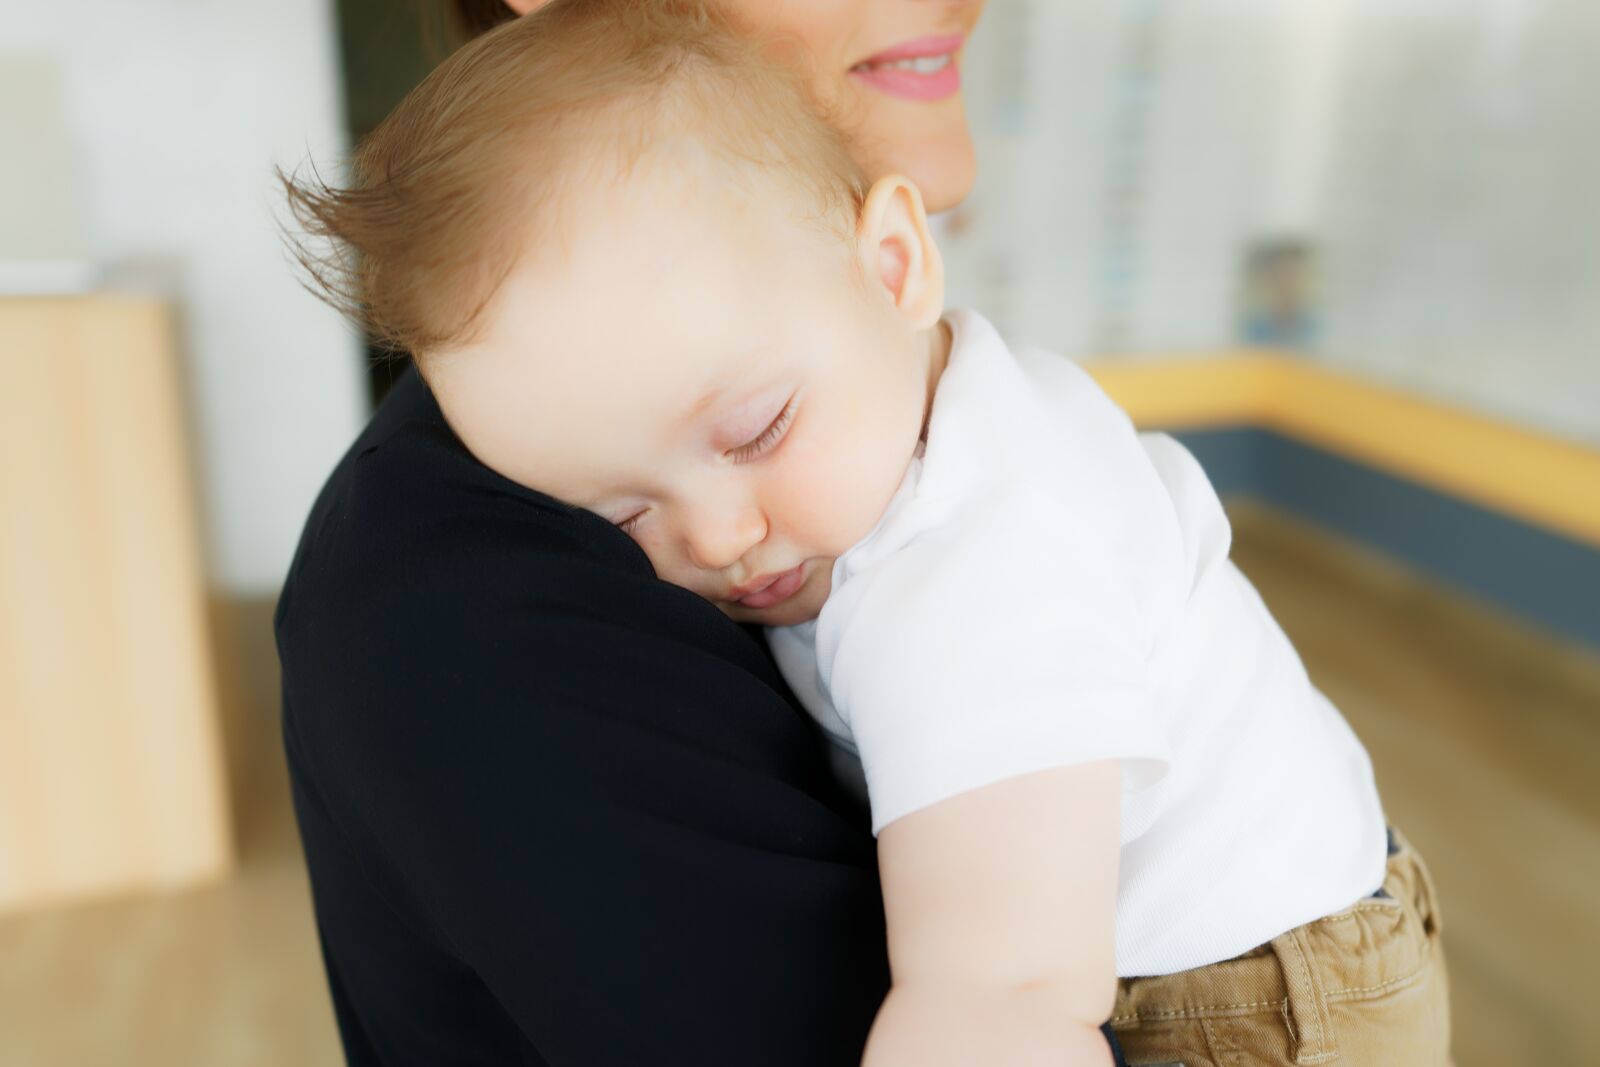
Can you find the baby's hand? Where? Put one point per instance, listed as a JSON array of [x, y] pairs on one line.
[[963, 1026]]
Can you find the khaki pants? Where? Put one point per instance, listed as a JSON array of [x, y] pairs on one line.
[[1364, 987]]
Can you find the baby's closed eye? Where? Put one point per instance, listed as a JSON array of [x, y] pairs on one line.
[[769, 437]]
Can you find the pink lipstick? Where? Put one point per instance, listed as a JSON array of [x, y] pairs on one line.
[[920, 69]]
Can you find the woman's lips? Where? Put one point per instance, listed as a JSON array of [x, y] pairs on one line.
[[933, 45], [922, 69], [777, 591]]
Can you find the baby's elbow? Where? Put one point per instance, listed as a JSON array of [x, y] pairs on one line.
[[1078, 998]]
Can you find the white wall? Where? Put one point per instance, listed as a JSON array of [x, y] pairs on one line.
[[174, 112], [1461, 221], [1441, 155], [1128, 151]]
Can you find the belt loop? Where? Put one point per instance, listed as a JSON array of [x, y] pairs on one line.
[[1311, 1030], [1427, 896]]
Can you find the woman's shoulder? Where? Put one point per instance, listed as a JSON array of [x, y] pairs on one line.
[[408, 496], [416, 558]]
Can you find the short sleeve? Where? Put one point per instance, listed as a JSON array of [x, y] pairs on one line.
[[1009, 640], [1202, 524]]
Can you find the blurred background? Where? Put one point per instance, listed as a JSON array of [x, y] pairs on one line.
[[1347, 250]]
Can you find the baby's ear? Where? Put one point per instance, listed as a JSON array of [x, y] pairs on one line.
[[897, 254]]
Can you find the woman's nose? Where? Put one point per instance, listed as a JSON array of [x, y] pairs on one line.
[[719, 538]]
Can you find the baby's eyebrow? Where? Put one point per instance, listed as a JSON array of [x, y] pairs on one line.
[[746, 390], [707, 401], [741, 377]]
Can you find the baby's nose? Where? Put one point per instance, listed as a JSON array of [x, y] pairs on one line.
[[719, 541]]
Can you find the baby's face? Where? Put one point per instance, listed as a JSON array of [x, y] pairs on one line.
[[709, 376]]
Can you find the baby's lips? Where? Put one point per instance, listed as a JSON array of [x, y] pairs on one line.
[[780, 588]]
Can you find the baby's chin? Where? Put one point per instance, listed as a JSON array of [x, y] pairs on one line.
[[777, 615]]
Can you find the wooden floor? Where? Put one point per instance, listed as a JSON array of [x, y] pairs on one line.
[[1486, 738]]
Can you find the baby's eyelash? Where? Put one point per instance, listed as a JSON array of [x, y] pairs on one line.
[[743, 454], [769, 436]]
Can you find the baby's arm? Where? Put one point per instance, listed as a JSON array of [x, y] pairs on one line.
[[1000, 905]]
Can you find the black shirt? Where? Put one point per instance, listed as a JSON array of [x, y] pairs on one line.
[[555, 811]]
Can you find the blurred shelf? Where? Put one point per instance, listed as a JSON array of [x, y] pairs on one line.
[[110, 765]]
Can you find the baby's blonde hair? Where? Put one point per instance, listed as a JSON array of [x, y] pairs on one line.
[[470, 172]]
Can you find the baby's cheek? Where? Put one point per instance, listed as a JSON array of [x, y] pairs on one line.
[[840, 499]]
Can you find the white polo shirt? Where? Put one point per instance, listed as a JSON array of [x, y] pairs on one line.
[[1049, 587]]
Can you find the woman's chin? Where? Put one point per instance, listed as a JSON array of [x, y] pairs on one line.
[[943, 164], [952, 182]]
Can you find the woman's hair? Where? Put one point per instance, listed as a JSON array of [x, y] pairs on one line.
[[472, 169]]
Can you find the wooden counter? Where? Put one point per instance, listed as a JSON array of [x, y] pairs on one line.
[[110, 763]]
